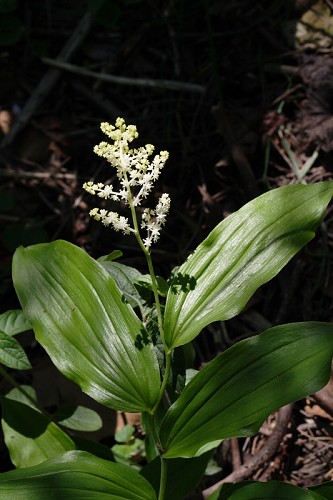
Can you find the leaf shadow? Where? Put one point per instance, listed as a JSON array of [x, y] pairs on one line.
[[182, 283]]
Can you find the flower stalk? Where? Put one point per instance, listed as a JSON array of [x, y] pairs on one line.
[[136, 173]]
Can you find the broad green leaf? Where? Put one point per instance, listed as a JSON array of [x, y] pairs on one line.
[[243, 252], [13, 322], [317, 496], [79, 316], [265, 491], [233, 394], [324, 490], [74, 476], [31, 438], [183, 475], [12, 354], [78, 418]]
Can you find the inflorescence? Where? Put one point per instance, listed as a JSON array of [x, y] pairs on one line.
[[136, 175]]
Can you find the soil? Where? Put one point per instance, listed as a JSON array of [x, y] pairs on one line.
[[239, 92]]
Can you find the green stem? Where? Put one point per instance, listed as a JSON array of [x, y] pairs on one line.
[[163, 478], [156, 296], [152, 429], [150, 267], [164, 381], [157, 299], [157, 304], [168, 352]]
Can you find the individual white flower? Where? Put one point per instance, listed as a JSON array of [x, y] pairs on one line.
[[147, 242]]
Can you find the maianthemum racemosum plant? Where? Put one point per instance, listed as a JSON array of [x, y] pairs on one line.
[[125, 339]]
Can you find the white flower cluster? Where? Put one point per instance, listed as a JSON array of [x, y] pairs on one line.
[[136, 176], [118, 222]]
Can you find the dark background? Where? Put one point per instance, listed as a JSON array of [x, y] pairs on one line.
[[249, 106]]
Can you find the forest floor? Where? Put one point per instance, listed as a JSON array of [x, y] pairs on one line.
[[241, 94]]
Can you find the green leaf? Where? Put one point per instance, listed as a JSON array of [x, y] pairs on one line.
[[324, 490], [78, 418], [25, 394], [12, 354], [233, 394], [243, 252], [181, 360], [145, 281], [114, 255], [131, 453], [265, 491], [90, 333], [14, 322], [76, 475], [96, 449], [183, 474], [30, 437], [212, 467], [208, 447], [124, 276], [151, 449], [124, 434]]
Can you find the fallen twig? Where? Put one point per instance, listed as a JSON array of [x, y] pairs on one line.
[[325, 400], [235, 454], [124, 80], [267, 451], [36, 175]]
